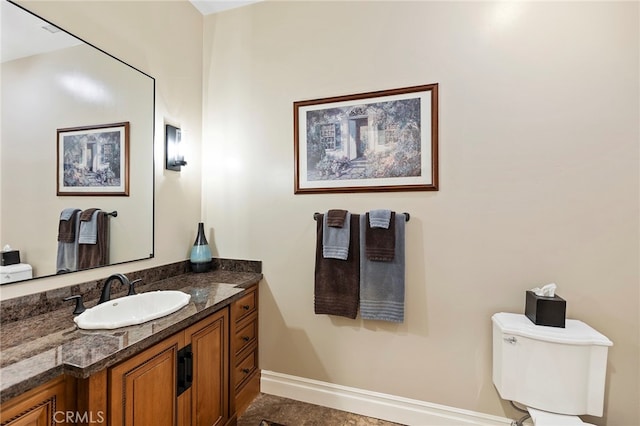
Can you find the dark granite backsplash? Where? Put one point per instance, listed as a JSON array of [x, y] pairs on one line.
[[234, 265], [52, 300]]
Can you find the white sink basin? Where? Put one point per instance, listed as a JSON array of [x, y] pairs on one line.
[[131, 310]]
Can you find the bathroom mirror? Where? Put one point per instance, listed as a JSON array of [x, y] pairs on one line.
[[52, 81]]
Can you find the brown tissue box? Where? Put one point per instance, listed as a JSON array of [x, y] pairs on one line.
[[11, 257], [543, 310]]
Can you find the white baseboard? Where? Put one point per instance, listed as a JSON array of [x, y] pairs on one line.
[[372, 404]]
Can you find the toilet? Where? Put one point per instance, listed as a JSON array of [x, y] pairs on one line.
[[556, 373]]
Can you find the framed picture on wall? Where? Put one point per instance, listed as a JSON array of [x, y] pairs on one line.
[[377, 141], [93, 160]]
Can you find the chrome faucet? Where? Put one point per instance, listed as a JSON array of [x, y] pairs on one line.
[[106, 288]]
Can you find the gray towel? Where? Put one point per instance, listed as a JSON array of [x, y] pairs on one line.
[[379, 218], [382, 283], [67, 257], [66, 214], [89, 229], [335, 241]]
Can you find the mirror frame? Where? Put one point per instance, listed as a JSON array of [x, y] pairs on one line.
[[152, 153]]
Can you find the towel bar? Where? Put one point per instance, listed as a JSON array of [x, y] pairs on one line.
[[406, 216], [113, 213]]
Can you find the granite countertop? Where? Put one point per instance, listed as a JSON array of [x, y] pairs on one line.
[[41, 347]]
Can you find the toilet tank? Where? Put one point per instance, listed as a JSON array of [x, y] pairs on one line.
[[15, 272], [561, 370]]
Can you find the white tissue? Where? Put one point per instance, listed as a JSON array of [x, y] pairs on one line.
[[6, 248], [548, 290]]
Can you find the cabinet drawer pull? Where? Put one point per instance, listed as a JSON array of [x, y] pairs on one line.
[[246, 307], [246, 370], [246, 338]]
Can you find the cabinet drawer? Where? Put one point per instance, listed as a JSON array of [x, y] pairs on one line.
[[246, 367], [247, 393], [244, 306], [245, 335]]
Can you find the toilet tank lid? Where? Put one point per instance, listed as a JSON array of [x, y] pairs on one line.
[[574, 333]]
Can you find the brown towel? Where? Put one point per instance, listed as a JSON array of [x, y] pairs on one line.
[[336, 218], [67, 228], [86, 215], [380, 243], [92, 255], [337, 282]]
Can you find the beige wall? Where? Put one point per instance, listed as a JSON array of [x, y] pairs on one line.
[[164, 40], [538, 168]]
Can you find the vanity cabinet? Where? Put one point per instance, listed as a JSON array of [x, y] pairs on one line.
[[245, 380], [52, 403], [179, 381], [205, 374]]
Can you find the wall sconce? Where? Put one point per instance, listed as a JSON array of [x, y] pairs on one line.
[[174, 158]]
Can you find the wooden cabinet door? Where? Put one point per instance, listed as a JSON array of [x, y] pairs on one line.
[[47, 405], [143, 389], [209, 391]]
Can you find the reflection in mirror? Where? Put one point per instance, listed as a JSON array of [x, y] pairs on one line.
[[52, 80]]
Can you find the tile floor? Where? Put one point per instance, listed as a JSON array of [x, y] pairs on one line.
[[294, 413]]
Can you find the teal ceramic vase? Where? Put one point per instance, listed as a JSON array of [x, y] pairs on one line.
[[200, 252]]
